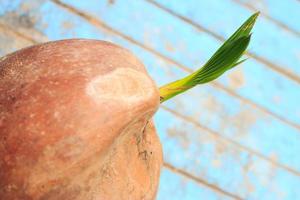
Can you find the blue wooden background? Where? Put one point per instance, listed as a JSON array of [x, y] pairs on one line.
[[235, 138]]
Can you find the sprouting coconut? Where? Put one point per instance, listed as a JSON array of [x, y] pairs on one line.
[[75, 119]]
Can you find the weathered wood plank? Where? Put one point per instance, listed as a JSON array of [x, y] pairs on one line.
[[286, 12], [241, 123], [58, 31], [197, 151], [187, 46], [175, 187]]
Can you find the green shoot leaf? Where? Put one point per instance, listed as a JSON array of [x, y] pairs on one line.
[[225, 58]]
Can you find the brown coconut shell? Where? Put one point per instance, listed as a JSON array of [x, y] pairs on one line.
[[75, 123]]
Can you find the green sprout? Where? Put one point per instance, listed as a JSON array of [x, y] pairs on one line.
[[225, 58]]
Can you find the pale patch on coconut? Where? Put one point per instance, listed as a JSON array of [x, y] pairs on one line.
[[122, 84]]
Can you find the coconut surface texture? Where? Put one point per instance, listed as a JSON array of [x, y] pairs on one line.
[[75, 123]]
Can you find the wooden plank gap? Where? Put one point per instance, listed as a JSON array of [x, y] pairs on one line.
[[199, 181], [259, 107], [19, 34]]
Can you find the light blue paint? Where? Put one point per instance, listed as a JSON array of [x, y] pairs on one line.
[[267, 89], [8, 6], [222, 163], [248, 126]]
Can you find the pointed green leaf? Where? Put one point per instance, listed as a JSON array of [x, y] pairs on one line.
[[225, 58]]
